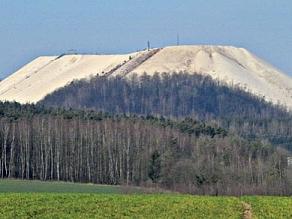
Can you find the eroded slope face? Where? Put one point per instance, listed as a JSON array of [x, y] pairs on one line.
[[46, 74], [235, 66]]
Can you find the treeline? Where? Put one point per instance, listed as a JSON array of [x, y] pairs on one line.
[[184, 155], [177, 96]]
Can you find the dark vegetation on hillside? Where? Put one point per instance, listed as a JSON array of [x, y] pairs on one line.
[[184, 155], [178, 96]]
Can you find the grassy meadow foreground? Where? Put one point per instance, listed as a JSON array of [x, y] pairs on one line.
[[35, 199]]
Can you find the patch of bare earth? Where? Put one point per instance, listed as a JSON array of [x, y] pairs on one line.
[[247, 211]]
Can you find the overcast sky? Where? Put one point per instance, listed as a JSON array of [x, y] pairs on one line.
[[29, 29]]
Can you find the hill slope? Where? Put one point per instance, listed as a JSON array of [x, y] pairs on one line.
[[235, 66], [46, 74], [178, 96]]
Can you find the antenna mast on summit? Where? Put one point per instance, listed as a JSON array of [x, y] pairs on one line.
[[148, 45]]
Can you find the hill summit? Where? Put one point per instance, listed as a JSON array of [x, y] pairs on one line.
[[235, 66]]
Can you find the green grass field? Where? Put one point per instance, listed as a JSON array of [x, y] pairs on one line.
[[270, 206], [50, 205], [35, 199], [17, 186]]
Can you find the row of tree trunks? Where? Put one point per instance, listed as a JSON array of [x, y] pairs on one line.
[[119, 151]]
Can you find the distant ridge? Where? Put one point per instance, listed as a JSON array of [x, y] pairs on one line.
[[235, 66]]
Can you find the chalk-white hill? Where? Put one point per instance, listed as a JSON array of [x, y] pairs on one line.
[[235, 66], [46, 74]]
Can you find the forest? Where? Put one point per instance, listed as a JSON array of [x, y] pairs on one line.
[[180, 95], [185, 155]]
